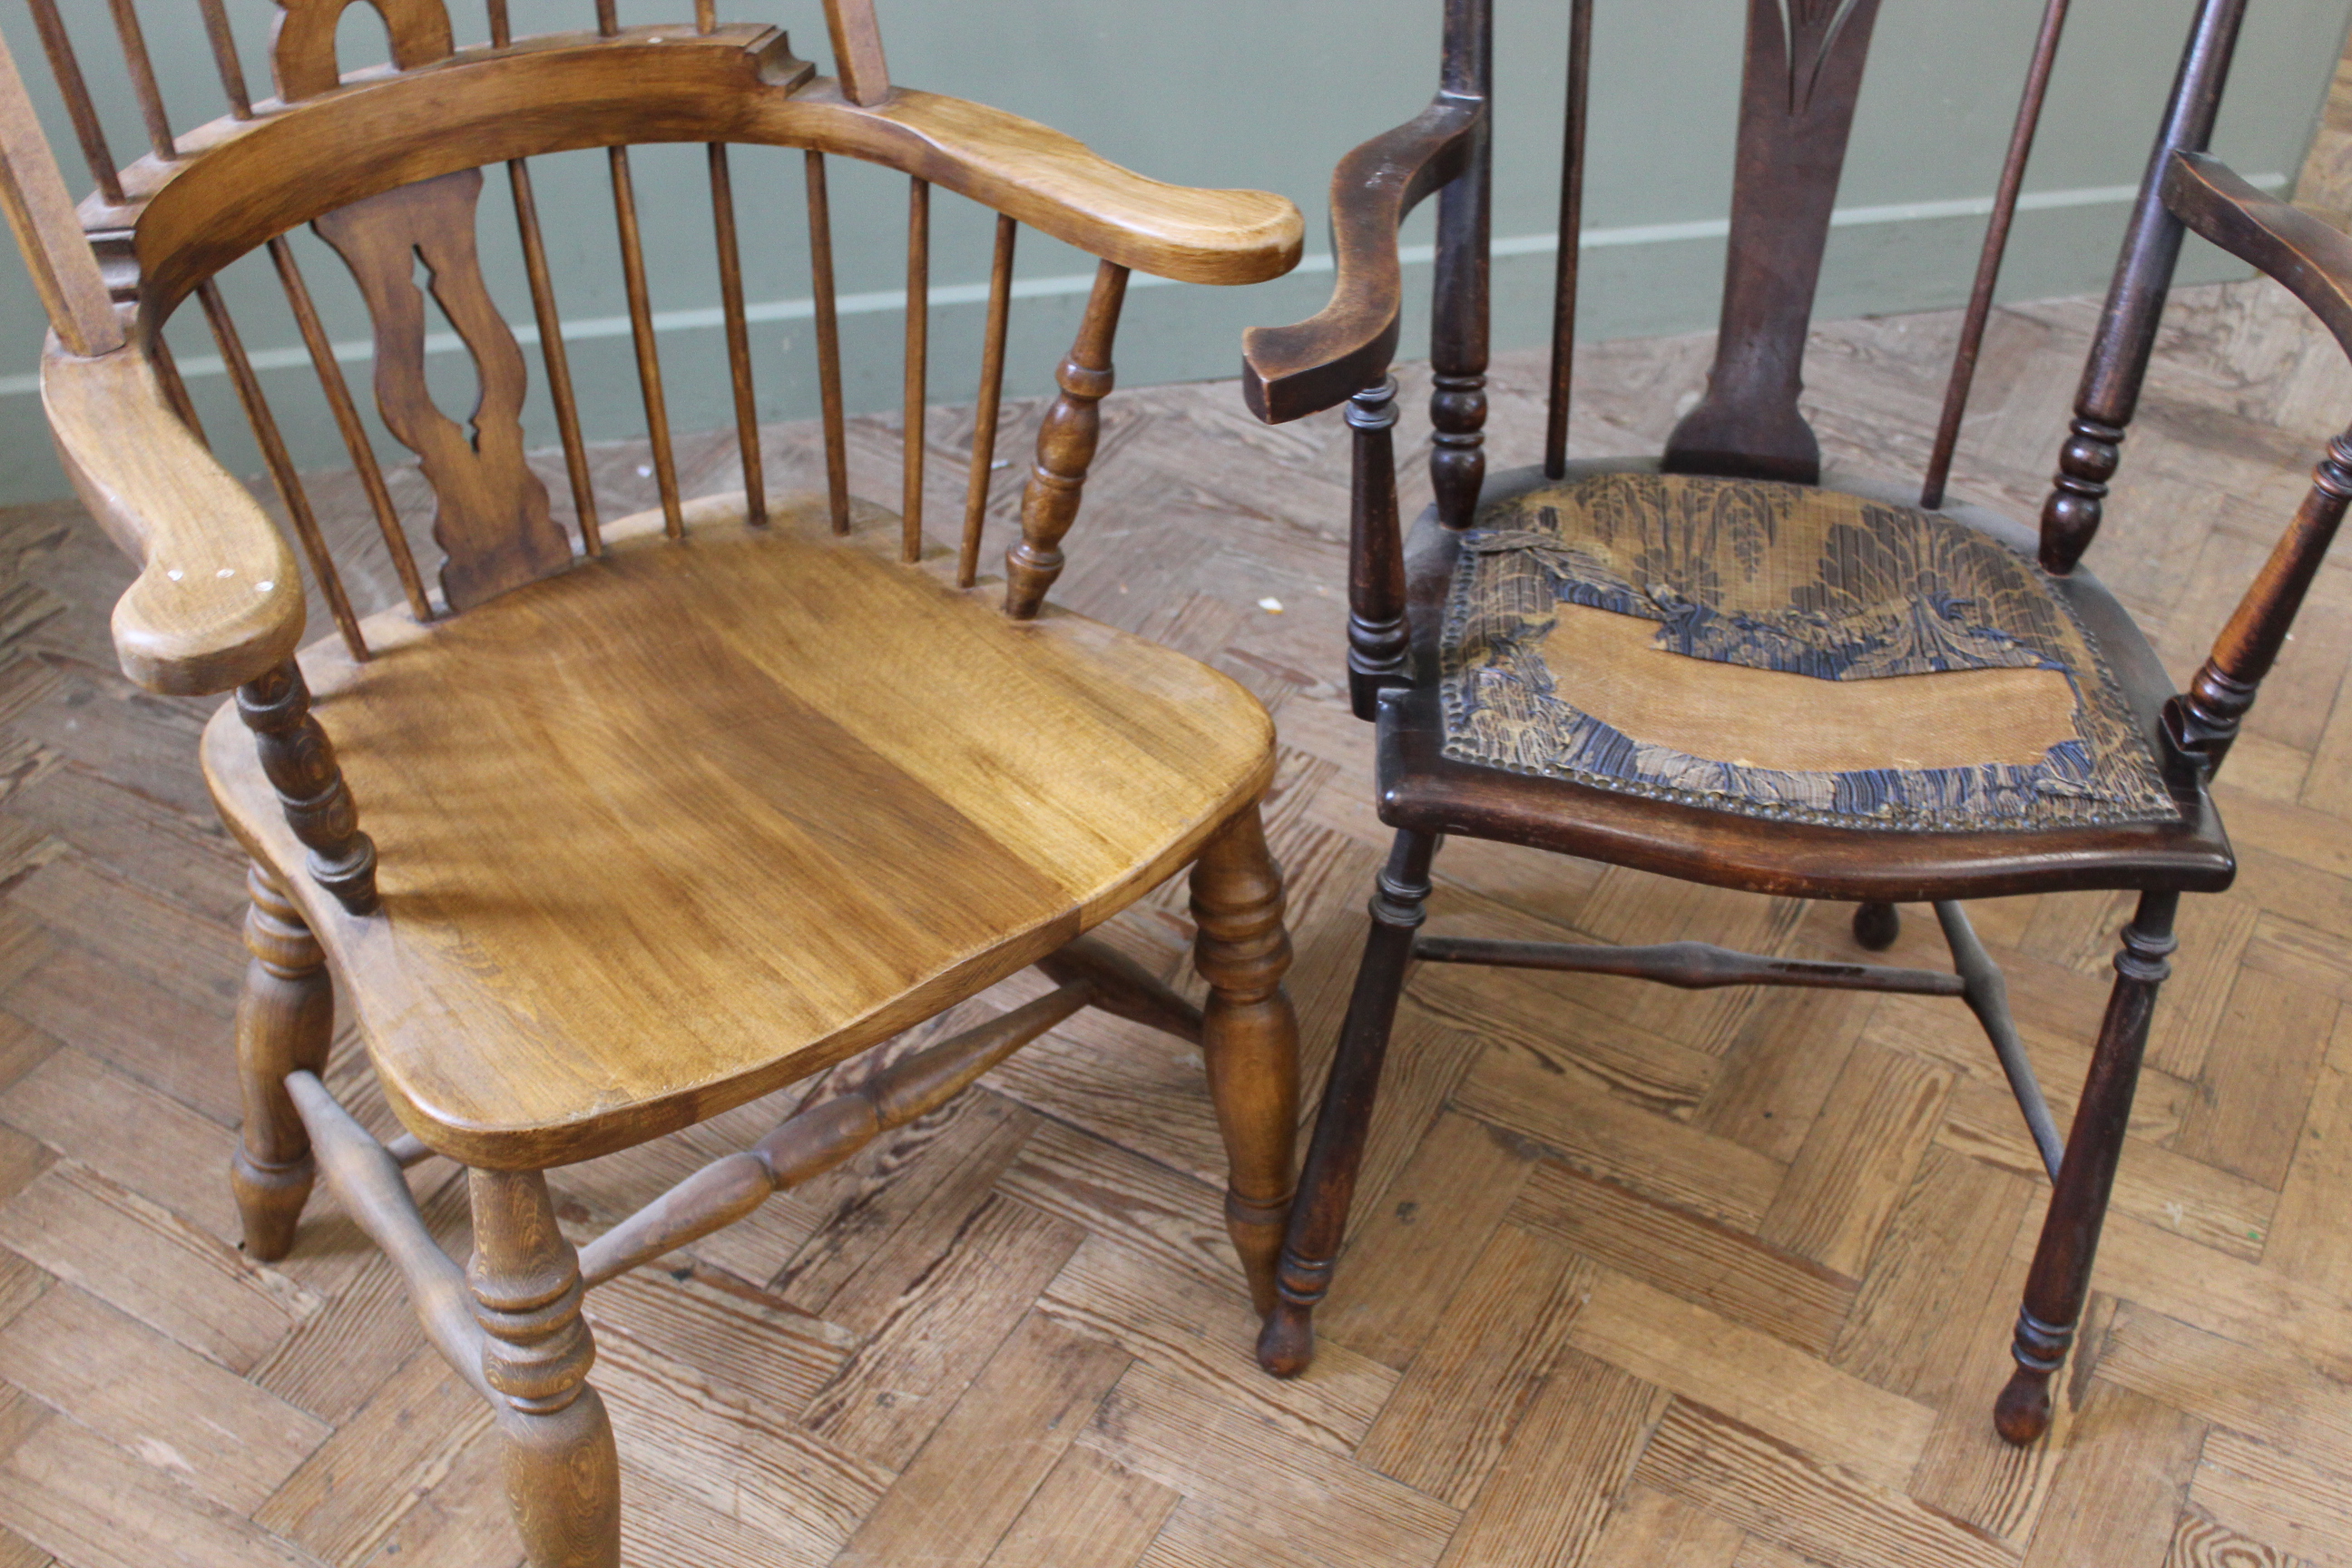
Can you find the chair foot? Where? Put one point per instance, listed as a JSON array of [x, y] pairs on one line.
[[1875, 926], [269, 1201], [2021, 1414], [285, 1019], [1286, 1344], [1249, 1037]]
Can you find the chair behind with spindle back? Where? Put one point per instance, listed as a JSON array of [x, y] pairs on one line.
[[657, 829]]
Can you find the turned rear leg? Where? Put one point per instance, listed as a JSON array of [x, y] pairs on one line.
[[1875, 926], [284, 1020], [1250, 1037]]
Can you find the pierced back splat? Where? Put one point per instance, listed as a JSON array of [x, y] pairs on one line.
[[493, 523], [302, 45], [1804, 70]]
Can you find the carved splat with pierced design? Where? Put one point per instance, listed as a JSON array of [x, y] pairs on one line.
[[493, 523], [1804, 71], [302, 47]]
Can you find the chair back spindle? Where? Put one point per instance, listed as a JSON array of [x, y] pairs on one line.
[[917, 372], [1458, 323], [992, 399], [827, 310], [65, 68], [551, 345], [142, 80], [223, 43], [347, 423], [1803, 73], [1988, 258], [642, 337], [283, 474], [1571, 232], [739, 330]]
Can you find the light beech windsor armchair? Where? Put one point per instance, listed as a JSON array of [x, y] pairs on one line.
[[637, 820], [1727, 666]]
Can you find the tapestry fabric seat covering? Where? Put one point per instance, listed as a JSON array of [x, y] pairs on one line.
[[1781, 651]]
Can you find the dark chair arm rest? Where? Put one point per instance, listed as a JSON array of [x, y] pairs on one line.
[[1288, 372], [2313, 260]]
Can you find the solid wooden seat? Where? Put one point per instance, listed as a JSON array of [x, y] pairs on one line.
[[677, 827], [1442, 767]]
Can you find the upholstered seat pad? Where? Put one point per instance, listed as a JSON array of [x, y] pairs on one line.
[[1781, 650], [677, 827]]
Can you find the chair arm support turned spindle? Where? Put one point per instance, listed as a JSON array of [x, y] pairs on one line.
[[218, 600], [2313, 262], [1290, 371]]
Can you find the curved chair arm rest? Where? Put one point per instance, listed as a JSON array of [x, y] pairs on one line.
[[218, 600], [1058, 186], [2312, 259], [1289, 371], [258, 178]]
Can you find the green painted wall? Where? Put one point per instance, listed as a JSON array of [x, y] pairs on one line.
[[1265, 94]]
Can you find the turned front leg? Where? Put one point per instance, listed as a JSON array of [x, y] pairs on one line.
[[285, 1018], [1250, 1037], [563, 1476], [2061, 1277], [1319, 1219], [1066, 450]]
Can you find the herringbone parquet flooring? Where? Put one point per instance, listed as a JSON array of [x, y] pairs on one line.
[[1640, 1277]]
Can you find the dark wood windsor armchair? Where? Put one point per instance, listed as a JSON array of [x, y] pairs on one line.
[[1723, 665], [665, 812]]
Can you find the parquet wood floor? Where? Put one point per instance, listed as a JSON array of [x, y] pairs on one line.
[[1640, 1277]]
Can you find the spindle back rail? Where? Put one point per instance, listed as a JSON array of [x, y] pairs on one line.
[[1435, 628], [898, 797]]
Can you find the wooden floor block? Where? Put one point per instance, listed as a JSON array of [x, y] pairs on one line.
[[1752, 1377], [1547, 1501], [1740, 1275], [1504, 1334]]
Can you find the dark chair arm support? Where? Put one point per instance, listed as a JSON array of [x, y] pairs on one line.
[[2313, 262], [1290, 372]]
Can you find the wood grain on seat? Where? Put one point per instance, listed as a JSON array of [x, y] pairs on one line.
[[685, 824]]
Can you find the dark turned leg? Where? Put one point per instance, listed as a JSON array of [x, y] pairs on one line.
[[2061, 1277], [285, 1017], [1876, 926], [1250, 1037], [1319, 1219], [563, 1473]]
